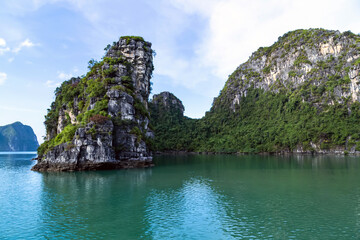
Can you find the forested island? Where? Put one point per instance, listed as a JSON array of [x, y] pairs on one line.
[[300, 95]]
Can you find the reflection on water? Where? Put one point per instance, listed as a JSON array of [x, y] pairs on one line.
[[182, 213], [85, 204], [185, 197], [260, 197]]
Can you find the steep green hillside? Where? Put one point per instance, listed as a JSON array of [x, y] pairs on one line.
[[17, 137], [300, 95]]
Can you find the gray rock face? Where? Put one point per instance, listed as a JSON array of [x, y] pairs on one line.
[[88, 150], [139, 54], [121, 104], [316, 57], [117, 139]]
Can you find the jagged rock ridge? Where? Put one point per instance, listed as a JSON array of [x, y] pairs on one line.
[[100, 121], [17, 137]]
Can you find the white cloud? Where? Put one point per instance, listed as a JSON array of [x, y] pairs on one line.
[[2, 42], [203, 7], [52, 84], [3, 77], [3, 47], [64, 76], [236, 28], [25, 44], [4, 50], [10, 60]]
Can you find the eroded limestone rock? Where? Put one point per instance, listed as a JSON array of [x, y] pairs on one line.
[[111, 128]]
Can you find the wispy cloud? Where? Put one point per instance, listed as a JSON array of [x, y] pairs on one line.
[[2, 42], [3, 77], [25, 44], [3, 47], [4, 50], [64, 76], [52, 84]]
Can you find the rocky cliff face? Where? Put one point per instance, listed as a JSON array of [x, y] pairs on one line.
[[17, 137], [328, 61], [100, 121]]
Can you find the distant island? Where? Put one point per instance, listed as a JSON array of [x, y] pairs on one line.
[[17, 137]]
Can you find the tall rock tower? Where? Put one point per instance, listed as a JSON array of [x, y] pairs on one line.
[[101, 121]]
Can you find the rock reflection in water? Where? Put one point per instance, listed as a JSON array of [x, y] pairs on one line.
[[101, 204]]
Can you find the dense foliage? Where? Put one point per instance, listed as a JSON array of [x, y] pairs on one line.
[[172, 130], [263, 122]]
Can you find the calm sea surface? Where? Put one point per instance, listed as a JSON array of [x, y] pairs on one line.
[[185, 197]]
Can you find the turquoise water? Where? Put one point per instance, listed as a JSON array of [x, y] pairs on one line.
[[185, 197]]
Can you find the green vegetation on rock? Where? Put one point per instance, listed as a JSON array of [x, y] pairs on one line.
[[128, 38], [87, 98], [300, 94]]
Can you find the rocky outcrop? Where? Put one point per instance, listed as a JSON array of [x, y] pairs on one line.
[[166, 102], [17, 137], [101, 121], [169, 123]]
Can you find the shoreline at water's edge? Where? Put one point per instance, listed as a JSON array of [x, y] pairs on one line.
[[325, 152], [62, 167], [56, 167]]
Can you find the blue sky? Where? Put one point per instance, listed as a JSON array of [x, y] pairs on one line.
[[198, 43]]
